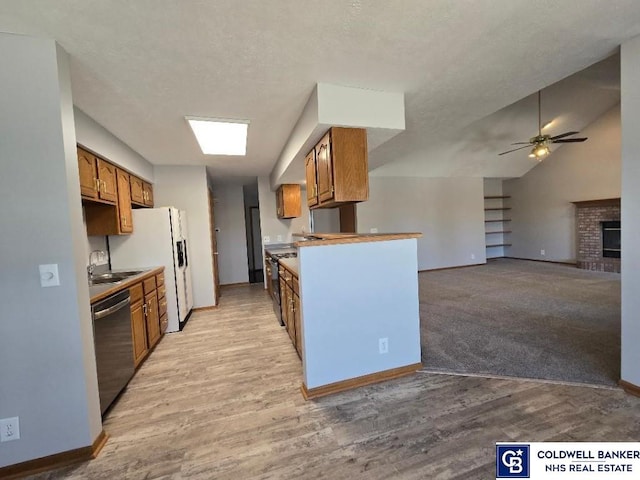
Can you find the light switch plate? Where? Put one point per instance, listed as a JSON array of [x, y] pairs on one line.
[[267, 239], [49, 275], [373, 230]]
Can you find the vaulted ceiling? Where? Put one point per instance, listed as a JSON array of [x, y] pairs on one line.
[[138, 67]]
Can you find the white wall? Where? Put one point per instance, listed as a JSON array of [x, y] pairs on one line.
[[186, 188], [543, 217], [95, 137], [352, 295], [279, 230], [449, 212], [630, 214], [233, 264], [47, 359]]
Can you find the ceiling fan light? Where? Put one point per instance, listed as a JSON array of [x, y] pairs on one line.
[[532, 154], [541, 151]]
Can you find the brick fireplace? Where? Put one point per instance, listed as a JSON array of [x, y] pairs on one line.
[[594, 220]]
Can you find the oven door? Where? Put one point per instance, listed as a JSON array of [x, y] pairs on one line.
[[275, 289]]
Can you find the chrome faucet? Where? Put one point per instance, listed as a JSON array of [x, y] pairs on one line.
[[92, 265]]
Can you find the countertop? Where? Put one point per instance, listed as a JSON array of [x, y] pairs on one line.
[[290, 264], [315, 239], [279, 248], [98, 292]]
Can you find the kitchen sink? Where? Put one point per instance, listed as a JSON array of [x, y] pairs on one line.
[[112, 277]]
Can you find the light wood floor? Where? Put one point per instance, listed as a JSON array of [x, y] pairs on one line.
[[221, 400]]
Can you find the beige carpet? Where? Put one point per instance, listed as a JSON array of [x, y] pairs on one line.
[[523, 319]]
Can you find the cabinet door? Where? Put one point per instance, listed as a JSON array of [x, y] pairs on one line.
[[124, 202], [296, 323], [324, 167], [280, 202], [107, 179], [139, 330], [311, 177], [148, 194], [88, 173], [137, 190], [153, 320], [291, 314]]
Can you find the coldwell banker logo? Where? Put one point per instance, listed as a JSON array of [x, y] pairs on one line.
[[512, 461]]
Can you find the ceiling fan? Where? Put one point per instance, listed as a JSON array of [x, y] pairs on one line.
[[540, 142]]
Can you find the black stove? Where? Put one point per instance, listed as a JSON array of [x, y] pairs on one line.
[[278, 256], [275, 283]]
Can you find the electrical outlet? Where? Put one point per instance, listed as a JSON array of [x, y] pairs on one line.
[[473, 256], [373, 230], [279, 238], [9, 429], [267, 239], [542, 252], [383, 345]]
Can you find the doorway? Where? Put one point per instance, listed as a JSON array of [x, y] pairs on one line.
[[253, 233]]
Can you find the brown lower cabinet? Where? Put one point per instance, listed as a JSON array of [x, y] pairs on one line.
[[148, 311], [290, 306]]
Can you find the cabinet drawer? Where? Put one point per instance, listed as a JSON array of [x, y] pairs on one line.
[[162, 306], [295, 285], [160, 279], [136, 293], [149, 285], [162, 290]]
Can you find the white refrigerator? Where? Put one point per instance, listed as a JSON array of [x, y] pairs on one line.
[[159, 238]]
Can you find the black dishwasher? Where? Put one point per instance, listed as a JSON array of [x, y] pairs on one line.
[[113, 344]]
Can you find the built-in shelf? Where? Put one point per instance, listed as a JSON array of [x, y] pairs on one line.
[[495, 210]]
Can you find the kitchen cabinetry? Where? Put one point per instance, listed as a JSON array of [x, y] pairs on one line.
[[108, 193], [141, 193], [97, 178], [311, 177], [162, 303], [138, 324], [288, 201], [290, 306], [124, 202], [337, 169], [148, 194], [151, 311]]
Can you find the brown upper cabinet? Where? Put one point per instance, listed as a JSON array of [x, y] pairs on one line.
[[141, 193], [108, 193], [339, 172], [137, 190], [311, 174], [124, 202], [97, 178], [288, 201], [148, 194]]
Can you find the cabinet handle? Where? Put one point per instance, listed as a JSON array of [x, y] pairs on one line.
[[104, 185], [144, 308], [96, 183]]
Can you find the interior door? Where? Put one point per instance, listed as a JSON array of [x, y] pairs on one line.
[[214, 250]]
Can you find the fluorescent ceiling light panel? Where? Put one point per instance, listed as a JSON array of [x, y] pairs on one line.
[[220, 137]]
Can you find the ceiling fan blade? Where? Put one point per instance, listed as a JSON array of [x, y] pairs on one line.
[[570, 140], [565, 134], [514, 150], [522, 143]]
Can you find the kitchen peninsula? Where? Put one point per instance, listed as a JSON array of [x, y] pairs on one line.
[[359, 309]]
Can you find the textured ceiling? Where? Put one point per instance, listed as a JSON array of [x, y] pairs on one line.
[[138, 67]]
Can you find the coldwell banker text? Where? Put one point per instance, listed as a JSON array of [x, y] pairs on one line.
[[589, 460]]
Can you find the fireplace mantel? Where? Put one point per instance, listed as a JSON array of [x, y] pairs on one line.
[[605, 202]]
